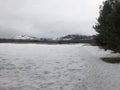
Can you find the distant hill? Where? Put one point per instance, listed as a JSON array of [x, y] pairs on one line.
[[76, 37], [61, 40], [25, 37]]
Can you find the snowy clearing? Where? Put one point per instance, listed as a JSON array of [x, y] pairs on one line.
[[56, 67]]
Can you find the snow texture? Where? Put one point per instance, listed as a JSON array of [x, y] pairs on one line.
[[56, 67]]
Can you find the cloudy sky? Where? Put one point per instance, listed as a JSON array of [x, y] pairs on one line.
[[47, 18]]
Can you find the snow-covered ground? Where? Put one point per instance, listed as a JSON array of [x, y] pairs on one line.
[[56, 67]]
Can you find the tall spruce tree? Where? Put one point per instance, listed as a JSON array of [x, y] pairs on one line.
[[108, 26]]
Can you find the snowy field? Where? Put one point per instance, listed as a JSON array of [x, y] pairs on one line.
[[56, 67]]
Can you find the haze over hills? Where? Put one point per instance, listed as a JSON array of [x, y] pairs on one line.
[[47, 18]]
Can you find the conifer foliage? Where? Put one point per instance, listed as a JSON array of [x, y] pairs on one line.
[[108, 26]]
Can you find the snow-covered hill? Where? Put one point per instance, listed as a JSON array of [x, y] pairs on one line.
[[25, 37]]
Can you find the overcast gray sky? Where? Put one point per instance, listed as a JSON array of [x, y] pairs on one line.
[[48, 18]]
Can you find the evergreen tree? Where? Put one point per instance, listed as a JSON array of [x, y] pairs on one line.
[[108, 26]]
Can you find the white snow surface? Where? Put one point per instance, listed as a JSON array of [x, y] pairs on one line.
[[56, 67]]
